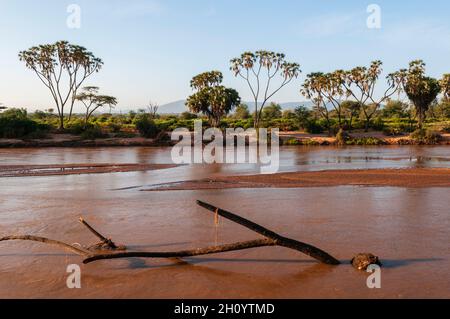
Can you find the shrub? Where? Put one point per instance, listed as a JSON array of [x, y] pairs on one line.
[[77, 127], [188, 116], [423, 136], [342, 137], [365, 141], [14, 123], [292, 141], [310, 142], [92, 132], [314, 127], [146, 126]]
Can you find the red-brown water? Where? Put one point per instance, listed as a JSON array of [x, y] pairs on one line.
[[409, 229]]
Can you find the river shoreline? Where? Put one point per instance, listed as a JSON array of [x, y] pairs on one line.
[[304, 139]]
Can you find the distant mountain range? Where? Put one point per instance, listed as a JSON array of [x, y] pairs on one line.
[[180, 107]]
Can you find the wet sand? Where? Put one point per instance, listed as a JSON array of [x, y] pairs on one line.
[[437, 177], [407, 227], [75, 169]]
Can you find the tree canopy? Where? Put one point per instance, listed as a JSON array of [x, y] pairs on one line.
[[420, 89], [259, 69], [211, 98], [62, 67]]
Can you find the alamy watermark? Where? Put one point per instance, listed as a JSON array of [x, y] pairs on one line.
[[236, 146], [374, 18], [74, 19], [74, 279], [374, 280]]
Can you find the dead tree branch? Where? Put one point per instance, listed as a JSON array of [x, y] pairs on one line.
[[78, 251], [184, 253], [96, 252], [278, 239]]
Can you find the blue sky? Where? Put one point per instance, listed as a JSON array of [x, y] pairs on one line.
[[152, 48]]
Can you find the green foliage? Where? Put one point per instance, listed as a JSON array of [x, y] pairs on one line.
[[342, 137], [146, 126], [292, 141], [188, 116], [426, 136], [272, 111], [315, 127], [394, 109], [92, 132], [365, 141], [303, 116], [14, 123], [241, 112], [212, 99]]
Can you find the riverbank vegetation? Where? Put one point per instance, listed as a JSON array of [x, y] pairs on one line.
[[344, 104]]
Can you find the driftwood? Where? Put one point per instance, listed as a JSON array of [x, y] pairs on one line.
[[97, 252], [104, 244]]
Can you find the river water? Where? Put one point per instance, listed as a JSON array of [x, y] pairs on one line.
[[409, 229]]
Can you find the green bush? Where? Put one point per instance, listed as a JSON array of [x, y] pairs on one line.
[[342, 137], [292, 141], [92, 132], [77, 126], [14, 123], [424, 136], [310, 142], [146, 126], [314, 127], [365, 141]]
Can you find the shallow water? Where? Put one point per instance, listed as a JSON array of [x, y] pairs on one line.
[[408, 228]]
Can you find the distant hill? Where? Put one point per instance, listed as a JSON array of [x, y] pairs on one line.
[[180, 107]]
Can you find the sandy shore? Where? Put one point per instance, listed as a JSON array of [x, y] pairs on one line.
[[75, 169], [438, 177]]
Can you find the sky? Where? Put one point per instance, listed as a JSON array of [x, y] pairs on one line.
[[152, 48]]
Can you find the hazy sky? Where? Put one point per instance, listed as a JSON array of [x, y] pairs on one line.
[[152, 48]]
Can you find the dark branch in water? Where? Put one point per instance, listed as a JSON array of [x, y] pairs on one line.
[[277, 239], [96, 252], [185, 253], [78, 251]]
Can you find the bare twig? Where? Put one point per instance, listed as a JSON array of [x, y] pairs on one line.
[[105, 242]]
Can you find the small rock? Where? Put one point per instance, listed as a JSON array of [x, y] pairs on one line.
[[362, 261]]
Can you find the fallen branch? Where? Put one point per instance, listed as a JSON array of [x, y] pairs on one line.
[[185, 253], [78, 251], [277, 239], [271, 239]]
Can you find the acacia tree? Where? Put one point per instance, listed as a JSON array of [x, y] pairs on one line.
[[313, 89], [93, 101], [152, 108], [360, 83], [211, 98], [333, 90], [258, 70], [62, 67], [420, 89]]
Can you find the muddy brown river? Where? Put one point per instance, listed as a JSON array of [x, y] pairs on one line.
[[408, 228]]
